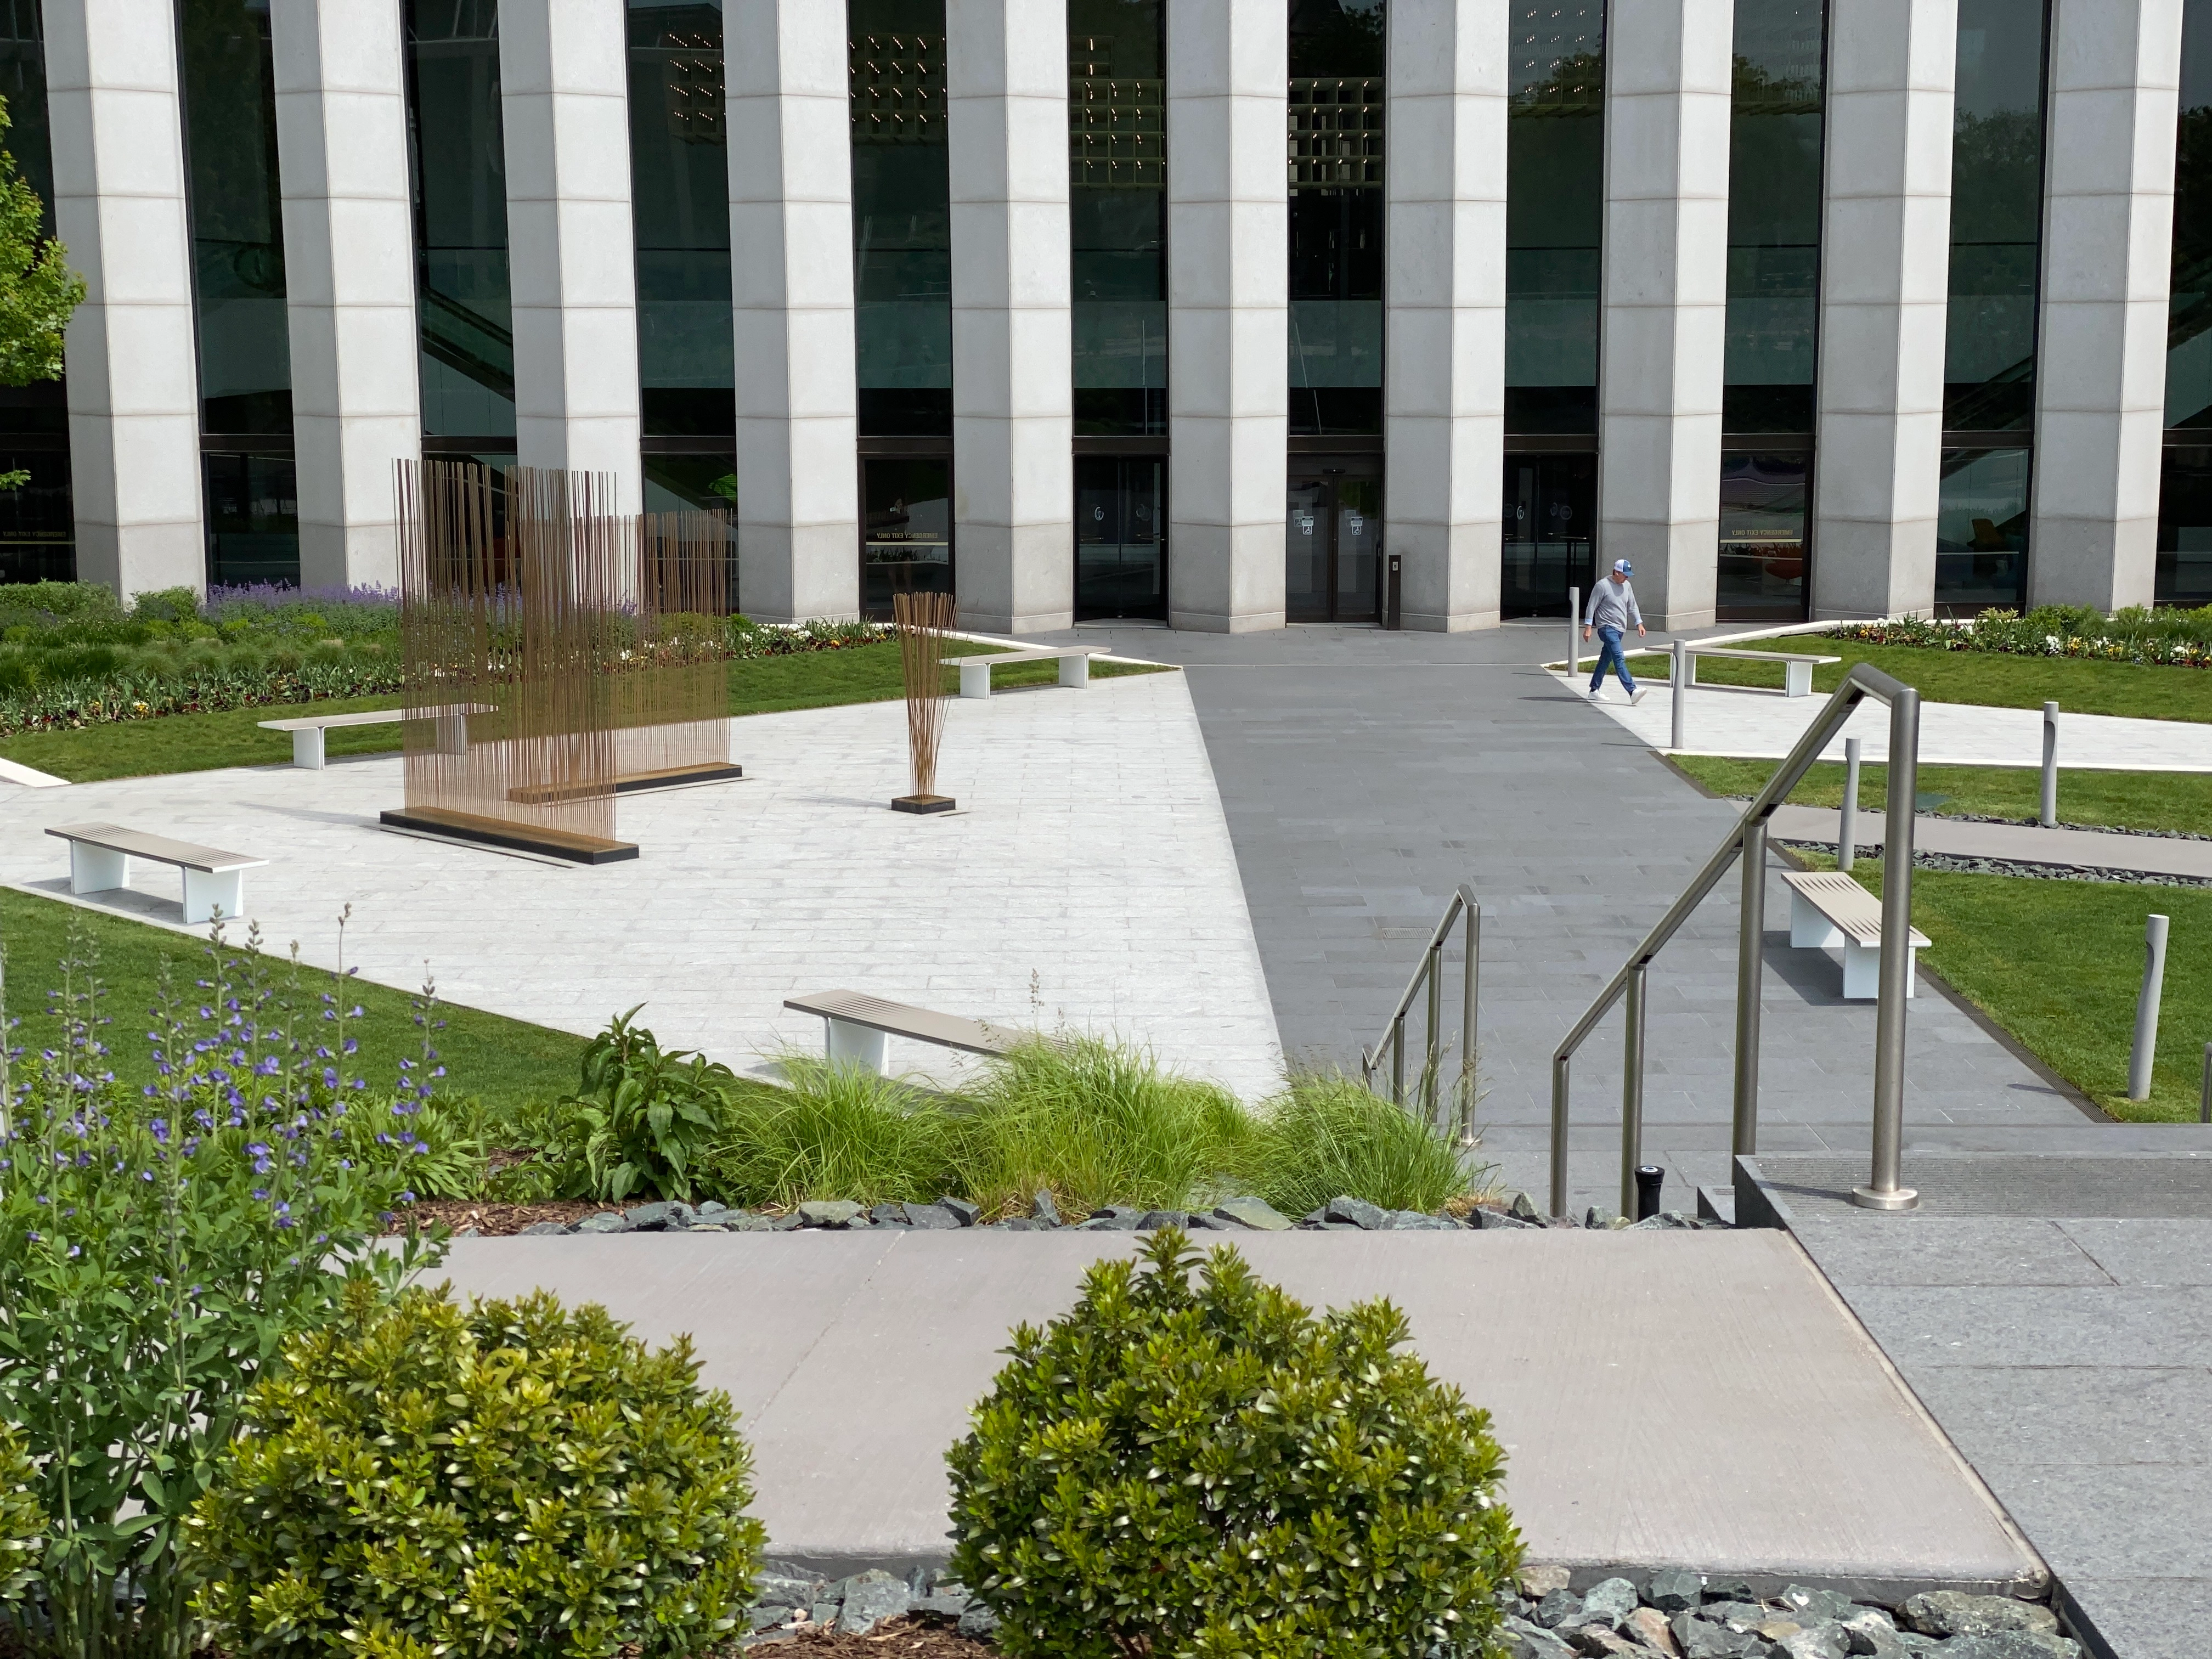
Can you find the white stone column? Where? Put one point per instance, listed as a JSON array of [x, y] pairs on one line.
[[2115, 82], [791, 247], [133, 368], [1668, 83], [349, 273], [1013, 471], [564, 103], [1228, 312], [1885, 282], [1444, 161]]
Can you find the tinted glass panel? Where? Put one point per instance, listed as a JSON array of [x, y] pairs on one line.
[[1555, 204], [467, 321], [1336, 216], [252, 519], [901, 217], [1997, 210], [906, 544], [23, 84], [38, 532], [2184, 529], [1551, 514], [229, 94], [1121, 538], [680, 210], [2189, 314], [1117, 214], [1774, 217], [1981, 530], [1762, 567]]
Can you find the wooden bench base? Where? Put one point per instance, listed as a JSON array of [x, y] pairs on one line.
[[503, 832]]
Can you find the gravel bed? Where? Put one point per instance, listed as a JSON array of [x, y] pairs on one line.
[[2028, 824], [1964, 867]]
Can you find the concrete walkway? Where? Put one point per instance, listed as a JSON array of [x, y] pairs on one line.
[[1652, 1390], [2022, 843]]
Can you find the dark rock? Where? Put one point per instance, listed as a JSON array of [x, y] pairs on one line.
[[1561, 1221], [1498, 1221], [1809, 1606], [930, 1217], [1665, 1221], [1014, 1223], [1418, 1221], [1701, 1639], [1338, 1227], [606, 1221], [1315, 1218], [767, 1615], [784, 1223], [964, 1212], [1600, 1641], [1672, 1588], [1729, 1589], [1357, 1211], [1609, 1601], [1597, 1216], [543, 1229], [979, 1621], [1110, 1220], [1561, 1607], [1047, 1211], [751, 1223], [1523, 1640], [713, 1207], [665, 1216], [870, 1598], [890, 1215], [776, 1589], [1523, 1206], [1822, 1639], [1256, 1213], [942, 1605], [824, 1614], [1210, 1223], [1152, 1220], [829, 1213], [1954, 1612]]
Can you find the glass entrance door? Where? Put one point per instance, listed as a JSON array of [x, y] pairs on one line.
[[1333, 548], [1548, 536], [1121, 538], [906, 544]]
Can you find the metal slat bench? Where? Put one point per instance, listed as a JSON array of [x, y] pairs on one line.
[[1827, 907], [307, 730], [100, 855], [1797, 667], [858, 1023], [1074, 662]]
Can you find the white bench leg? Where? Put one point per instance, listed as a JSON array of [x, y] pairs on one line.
[[975, 679], [453, 734], [1809, 929], [1075, 670], [1689, 668], [860, 1046], [1862, 972], [207, 892], [97, 869], [1798, 679], [307, 749]]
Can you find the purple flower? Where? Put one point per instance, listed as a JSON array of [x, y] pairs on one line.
[[160, 1127]]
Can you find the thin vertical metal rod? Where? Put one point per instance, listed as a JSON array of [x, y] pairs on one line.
[[1847, 829], [1885, 1189], [1560, 1063], [1432, 1067], [2147, 1001], [1750, 972], [1467, 1042], [1679, 694], [1398, 1060], [1632, 1091], [1574, 630], [2048, 815]]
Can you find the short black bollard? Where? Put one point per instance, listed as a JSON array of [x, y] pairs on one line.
[[1650, 1177]]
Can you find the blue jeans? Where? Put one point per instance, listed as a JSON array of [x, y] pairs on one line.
[[1611, 654]]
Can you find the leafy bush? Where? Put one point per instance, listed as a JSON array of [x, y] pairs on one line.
[[1209, 1471], [22, 1522], [156, 1250], [1327, 1134], [836, 1132], [642, 1120], [513, 1479]]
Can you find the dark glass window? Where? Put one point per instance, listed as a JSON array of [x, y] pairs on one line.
[[466, 312], [902, 218], [1551, 519], [1981, 530], [2184, 528], [906, 543], [1996, 216], [1762, 562], [680, 207], [1117, 212], [1336, 216], [38, 526], [238, 224], [23, 84], [1774, 217], [2184, 496], [1554, 210], [253, 519], [1120, 536]]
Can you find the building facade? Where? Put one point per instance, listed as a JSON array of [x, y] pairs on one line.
[[1208, 313]]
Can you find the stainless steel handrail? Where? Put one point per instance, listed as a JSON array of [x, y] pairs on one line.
[[1429, 976], [1748, 842]]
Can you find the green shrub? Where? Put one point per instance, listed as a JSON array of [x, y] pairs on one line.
[[642, 1120], [1327, 1134], [22, 1520], [1097, 1123], [836, 1132], [167, 604], [1213, 1471], [513, 1479]]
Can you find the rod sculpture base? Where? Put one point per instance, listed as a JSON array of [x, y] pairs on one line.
[[1871, 1197], [503, 832], [923, 804]]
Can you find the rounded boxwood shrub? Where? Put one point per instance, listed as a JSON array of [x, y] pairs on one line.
[[513, 1478], [1210, 1471], [22, 1522]]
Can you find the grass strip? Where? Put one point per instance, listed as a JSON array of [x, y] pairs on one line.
[[2059, 965], [2120, 800]]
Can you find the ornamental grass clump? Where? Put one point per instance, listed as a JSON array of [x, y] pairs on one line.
[[1198, 1472], [838, 1130], [513, 1478], [1326, 1133]]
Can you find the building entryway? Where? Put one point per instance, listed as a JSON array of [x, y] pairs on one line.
[[1333, 542], [1121, 538], [1549, 534]]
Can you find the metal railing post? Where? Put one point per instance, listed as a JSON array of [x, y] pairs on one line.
[[2048, 815], [1398, 1060], [2204, 1099], [1750, 974], [1847, 829], [1632, 1091], [1432, 1067], [1467, 1042], [1885, 1190], [1560, 1064], [1574, 630], [1678, 694], [2147, 1000]]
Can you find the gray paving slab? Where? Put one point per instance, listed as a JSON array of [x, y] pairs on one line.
[[1631, 1443], [2025, 844], [2138, 1251]]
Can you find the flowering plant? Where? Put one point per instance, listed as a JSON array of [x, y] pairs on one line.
[[157, 1250], [2175, 638]]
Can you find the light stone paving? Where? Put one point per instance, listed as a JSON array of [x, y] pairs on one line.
[[1090, 852], [1754, 723]]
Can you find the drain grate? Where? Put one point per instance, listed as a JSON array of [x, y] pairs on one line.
[[2062, 1186]]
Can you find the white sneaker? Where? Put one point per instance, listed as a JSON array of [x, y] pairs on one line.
[[1637, 696], [1593, 694]]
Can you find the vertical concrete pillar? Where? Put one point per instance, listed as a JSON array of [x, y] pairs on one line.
[[564, 101], [350, 271], [1885, 281], [1228, 312], [133, 368], [1668, 83], [1013, 472], [2100, 356], [791, 278], [1444, 326]]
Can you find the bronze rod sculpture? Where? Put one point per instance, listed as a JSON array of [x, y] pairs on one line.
[[923, 621]]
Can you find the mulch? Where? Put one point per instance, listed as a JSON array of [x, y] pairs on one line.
[[493, 1220], [909, 1637]]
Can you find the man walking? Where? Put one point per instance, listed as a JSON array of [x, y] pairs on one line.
[[1612, 607]]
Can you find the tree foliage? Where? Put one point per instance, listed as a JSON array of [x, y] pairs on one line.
[[38, 290]]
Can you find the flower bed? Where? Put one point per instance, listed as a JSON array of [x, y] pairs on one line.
[[2176, 639]]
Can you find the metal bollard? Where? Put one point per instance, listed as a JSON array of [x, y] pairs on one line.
[[1678, 693], [2048, 815], [2154, 982], [1650, 1178], [1574, 630], [1847, 829]]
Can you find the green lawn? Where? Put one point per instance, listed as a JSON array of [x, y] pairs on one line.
[[199, 742], [2129, 801], [503, 1061], [2058, 964], [1988, 678]]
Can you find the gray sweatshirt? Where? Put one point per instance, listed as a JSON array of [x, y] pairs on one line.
[[1613, 605]]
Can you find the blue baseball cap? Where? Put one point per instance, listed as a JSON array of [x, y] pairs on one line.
[[1623, 566]]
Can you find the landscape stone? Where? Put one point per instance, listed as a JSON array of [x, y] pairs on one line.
[[1610, 1600], [1357, 1211], [1954, 1612], [1416, 1221], [1498, 1220], [1526, 1641], [544, 1229], [1559, 1606], [1014, 1223], [712, 1208], [1600, 1642], [931, 1218], [1110, 1220], [766, 1614], [1666, 1221], [775, 1589], [606, 1221], [1672, 1588], [979, 1621], [1598, 1216], [1826, 1640], [1537, 1583], [1254, 1212], [1152, 1220], [870, 1598], [1524, 1207], [751, 1223], [829, 1213], [1811, 1606], [706, 1227], [890, 1215], [965, 1212], [2011, 1645], [1700, 1638], [942, 1605], [784, 1224], [1047, 1211], [1208, 1223], [1648, 1626]]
